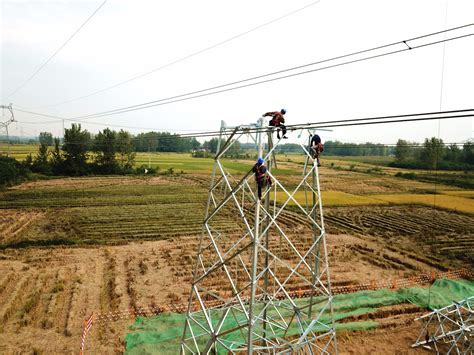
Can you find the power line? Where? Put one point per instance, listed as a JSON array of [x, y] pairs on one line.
[[390, 117], [44, 115], [60, 119], [56, 52], [95, 123], [439, 121], [217, 132], [209, 91], [296, 126], [367, 145], [429, 116], [182, 59], [225, 87], [394, 121]]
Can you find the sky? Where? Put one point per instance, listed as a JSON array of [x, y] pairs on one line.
[[126, 39]]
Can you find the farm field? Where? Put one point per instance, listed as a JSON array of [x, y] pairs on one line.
[[73, 246], [338, 198], [19, 151], [164, 161]]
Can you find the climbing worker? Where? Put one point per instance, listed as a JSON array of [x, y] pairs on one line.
[[261, 176], [277, 120], [316, 148]]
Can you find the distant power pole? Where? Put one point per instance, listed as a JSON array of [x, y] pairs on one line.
[[149, 157], [4, 125]]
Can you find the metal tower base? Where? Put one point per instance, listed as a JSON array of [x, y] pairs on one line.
[[449, 330]]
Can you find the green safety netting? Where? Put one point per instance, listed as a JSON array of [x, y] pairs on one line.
[[162, 334]]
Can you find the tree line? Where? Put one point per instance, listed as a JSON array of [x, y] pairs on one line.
[[164, 142], [107, 152], [434, 154], [112, 152], [344, 149]]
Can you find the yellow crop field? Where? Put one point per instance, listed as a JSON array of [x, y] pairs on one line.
[[459, 193], [455, 203], [334, 198], [20, 151], [338, 198]]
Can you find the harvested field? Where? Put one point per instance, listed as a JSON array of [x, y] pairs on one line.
[[72, 246], [14, 222], [365, 183], [48, 293], [450, 202], [419, 232], [81, 183], [338, 198]]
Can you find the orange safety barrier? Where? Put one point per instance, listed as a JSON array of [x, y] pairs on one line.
[[87, 326]]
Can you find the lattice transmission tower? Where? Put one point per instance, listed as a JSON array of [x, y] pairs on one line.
[[449, 330], [261, 279], [4, 125]]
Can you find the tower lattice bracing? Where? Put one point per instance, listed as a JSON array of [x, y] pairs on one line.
[[261, 278], [449, 330]]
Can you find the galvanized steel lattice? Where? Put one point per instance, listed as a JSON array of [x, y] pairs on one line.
[[246, 271]]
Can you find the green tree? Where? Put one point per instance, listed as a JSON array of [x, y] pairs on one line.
[[40, 163], [11, 171], [46, 138], [105, 147], [234, 150], [468, 153], [57, 160], [75, 148], [163, 142], [125, 150], [195, 145], [28, 162], [211, 145], [432, 152], [402, 151], [453, 153], [145, 142]]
